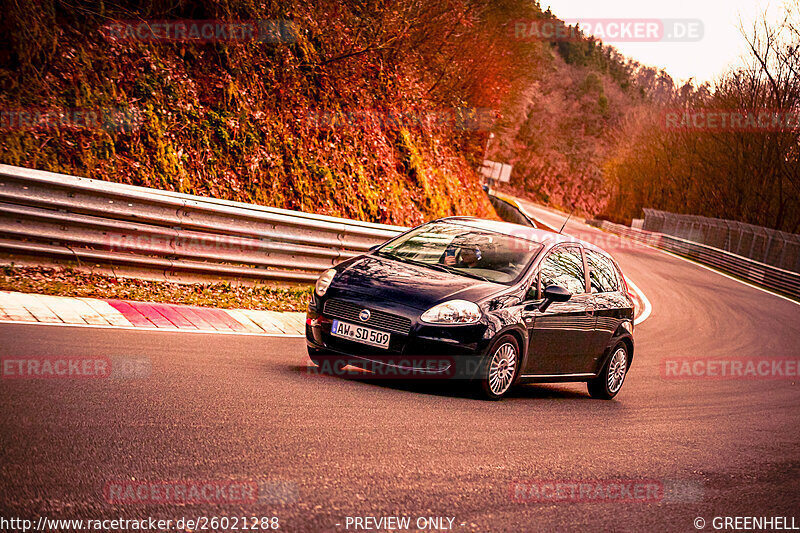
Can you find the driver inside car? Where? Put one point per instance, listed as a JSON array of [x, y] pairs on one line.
[[469, 257], [464, 255]]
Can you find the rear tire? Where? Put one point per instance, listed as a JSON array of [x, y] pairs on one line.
[[499, 369], [609, 382]]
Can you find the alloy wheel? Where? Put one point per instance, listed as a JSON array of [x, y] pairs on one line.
[[502, 368], [616, 370]]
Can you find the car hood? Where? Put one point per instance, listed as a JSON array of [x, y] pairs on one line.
[[381, 279]]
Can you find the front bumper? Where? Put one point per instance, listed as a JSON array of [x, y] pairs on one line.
[[426, 351]]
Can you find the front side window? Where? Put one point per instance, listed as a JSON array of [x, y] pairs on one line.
[[563, 267], [602, 274], [464, 250]]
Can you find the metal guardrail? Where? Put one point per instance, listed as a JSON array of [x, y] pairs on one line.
[[766, 245], [509, 210], [762, 274], [67, 217]]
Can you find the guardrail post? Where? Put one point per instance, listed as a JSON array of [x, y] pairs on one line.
[[766, 250]]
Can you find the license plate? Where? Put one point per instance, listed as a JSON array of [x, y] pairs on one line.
[[370, 336]]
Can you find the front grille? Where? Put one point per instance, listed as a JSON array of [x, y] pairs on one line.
[[378, 319]]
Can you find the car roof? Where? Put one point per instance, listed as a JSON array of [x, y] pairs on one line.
[[545, 237]]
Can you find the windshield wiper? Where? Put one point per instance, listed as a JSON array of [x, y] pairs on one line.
[[434, 266], [465, 273], [402, 259], [453, 270]]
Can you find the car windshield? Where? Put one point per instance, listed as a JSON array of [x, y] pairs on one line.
[[464, 250]]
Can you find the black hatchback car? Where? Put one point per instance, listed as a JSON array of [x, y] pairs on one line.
[[490, 302]]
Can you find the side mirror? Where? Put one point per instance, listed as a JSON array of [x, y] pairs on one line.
[[554, 293]]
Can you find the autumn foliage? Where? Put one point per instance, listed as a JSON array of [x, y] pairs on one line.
[[240, 120]]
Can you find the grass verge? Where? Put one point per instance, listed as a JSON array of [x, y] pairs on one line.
[[65, 281]]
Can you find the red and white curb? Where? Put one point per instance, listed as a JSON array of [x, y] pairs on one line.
[[641, 305], [27, 308]]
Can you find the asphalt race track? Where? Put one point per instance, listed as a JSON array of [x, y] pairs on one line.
[[215, 407]]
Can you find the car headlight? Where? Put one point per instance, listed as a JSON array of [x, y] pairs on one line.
[[452, 312], [324, 281]]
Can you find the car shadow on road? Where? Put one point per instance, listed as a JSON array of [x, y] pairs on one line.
[[446, 388], [549, 391]]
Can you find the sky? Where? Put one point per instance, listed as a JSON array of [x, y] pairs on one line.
[[722, 44]]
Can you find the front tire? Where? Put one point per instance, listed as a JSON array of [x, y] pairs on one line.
[[609, 382], [499, 369]]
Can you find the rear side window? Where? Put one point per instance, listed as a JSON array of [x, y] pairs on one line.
[[563, 267], [602, 273]]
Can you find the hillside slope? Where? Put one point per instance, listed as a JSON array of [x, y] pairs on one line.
[[309, 123]]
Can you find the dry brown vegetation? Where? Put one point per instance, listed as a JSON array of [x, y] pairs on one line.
[[744, 172]]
